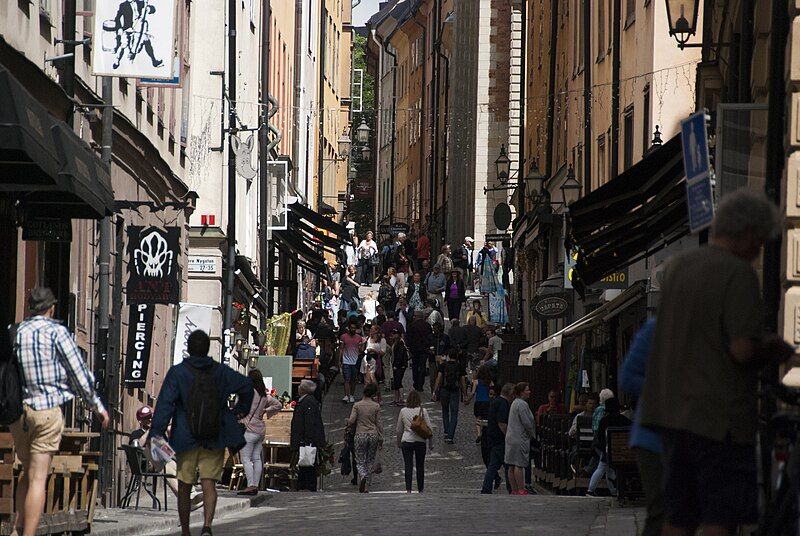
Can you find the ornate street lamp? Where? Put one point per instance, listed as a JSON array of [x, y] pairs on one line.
[[343, 145], [536, 177], [362, 132], [366, 153], [682, 16], [657, 141], [503, 164], [571, 189]]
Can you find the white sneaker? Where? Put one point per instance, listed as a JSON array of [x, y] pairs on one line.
[[352, 399], [345, 399]]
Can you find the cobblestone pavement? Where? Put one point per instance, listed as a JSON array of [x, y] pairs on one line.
[[451, 503]]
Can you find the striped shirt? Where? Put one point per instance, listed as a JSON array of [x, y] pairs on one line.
[[52, 365]]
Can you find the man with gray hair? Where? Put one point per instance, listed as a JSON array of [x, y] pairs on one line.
[[307, 430], [495, 436], [702, 376]]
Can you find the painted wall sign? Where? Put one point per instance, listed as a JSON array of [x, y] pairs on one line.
[[551, 307], [153, 255], [140, 338]]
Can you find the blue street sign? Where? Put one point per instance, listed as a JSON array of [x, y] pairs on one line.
[[695, 146], [700, 202]]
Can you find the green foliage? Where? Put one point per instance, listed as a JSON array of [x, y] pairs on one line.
[[360, 62]]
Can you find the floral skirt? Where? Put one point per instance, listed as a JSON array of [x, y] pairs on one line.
[[366, 448]]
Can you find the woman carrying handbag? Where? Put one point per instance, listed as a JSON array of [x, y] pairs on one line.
[[413, 429]]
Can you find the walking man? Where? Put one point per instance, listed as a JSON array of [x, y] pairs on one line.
[[194, 399], [450, 383], [351, 348], [702, 375], [54, 373], [496, 427], [419, 340]]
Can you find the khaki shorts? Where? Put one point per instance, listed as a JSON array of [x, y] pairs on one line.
[[37, 432], [199, 460]]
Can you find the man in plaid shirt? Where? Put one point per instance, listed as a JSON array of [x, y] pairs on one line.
[[54, 372]]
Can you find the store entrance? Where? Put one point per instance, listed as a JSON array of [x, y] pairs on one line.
[[8, 266]]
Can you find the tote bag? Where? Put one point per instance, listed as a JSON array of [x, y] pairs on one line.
[[308, 456]]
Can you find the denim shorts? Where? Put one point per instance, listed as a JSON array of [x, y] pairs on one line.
[[707, 481], [349, 372]]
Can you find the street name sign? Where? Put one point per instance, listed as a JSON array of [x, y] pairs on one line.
[[699, 194]]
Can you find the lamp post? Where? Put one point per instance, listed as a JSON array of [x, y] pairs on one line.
[[571, 189], [682, 17], [362, 132], [503, 164], [343, 145]]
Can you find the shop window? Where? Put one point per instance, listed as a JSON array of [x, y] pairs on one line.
[[627, 154], [646, 128]]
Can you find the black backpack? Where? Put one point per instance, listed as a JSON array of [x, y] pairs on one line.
[[11, 380], [452, 373], [204, 407]]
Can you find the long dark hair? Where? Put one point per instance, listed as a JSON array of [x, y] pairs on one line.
[[484, 374], [258, 381]]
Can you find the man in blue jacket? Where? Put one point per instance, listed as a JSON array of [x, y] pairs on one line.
[[177, 403], [645, 441]]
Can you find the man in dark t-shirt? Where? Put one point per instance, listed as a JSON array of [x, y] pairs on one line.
[[496, 436]]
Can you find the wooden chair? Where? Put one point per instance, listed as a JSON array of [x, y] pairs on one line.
[[623, 460], [237, 473]]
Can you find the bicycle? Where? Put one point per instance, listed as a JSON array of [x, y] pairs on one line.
[[780, 517]]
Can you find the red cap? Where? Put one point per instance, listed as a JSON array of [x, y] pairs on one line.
[[143, 413]]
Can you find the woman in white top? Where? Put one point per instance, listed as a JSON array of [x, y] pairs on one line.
[[410, 442], [366, 250], [376, 347], [370, 303]]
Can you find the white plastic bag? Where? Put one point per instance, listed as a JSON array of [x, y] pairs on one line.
[[308, 456]]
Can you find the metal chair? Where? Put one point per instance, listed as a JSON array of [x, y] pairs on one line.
[[137, 463]]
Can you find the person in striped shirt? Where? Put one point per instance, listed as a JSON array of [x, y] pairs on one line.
[[54, 372]]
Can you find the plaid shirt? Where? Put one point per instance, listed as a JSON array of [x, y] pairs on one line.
[[52, 366]]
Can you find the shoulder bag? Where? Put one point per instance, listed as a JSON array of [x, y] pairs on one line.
[[420, 427]]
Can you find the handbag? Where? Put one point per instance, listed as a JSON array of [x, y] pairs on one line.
[[374, 260], [420, 427], [308, 456]]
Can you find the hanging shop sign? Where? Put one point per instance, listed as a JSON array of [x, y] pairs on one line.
[[140, 338], [362, 188], [277, 195], [153, 255], [552, 306], [397, 228], [618, 279], [191, 317], [135, 38], [47, 229]]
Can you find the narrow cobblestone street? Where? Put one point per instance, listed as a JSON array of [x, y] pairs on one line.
[[451, 503]]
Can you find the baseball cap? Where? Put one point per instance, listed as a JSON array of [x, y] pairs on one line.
[[143, 413], [40, 299]]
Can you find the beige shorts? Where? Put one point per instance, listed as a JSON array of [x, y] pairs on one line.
[[199, 460], [37, 432]]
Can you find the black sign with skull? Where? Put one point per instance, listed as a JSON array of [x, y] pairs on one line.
[[153, 255]]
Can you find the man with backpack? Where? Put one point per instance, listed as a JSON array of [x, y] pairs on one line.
[[43, 369], [194, 397], [450, 383]]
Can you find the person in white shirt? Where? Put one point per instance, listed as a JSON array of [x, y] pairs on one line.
[[350, 250], [370, 303], [410, 443], [366, 250]]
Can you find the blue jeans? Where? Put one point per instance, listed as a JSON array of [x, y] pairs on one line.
[[449, 400], [496, 457]]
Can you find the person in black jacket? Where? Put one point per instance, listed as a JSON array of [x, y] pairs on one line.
[[612, 418], [307, 430], [455, 294]]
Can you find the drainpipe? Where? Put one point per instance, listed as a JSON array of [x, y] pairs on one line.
[[587, 96], [434, 165], [431, 204], [263, 146], [551, 104], [615, 68], [393, 125], [521, 166], [320, 103], [445, 135], [231, 229]]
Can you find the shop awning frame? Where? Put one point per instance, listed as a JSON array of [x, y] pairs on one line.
[[602, 314], [311, 236], [294, 248], [637, 213], [317, 220]]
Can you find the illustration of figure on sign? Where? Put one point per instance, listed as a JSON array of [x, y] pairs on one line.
[[242, 150], [153, 257], [130, 29]]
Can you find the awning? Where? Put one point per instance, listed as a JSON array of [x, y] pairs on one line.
[[636, 214], [244, 272], [317, 220], [294, 248], [602, 314], [28, 158], [311, 236], [54, 170]]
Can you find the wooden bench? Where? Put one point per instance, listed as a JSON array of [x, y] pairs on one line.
[[623, 460]]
